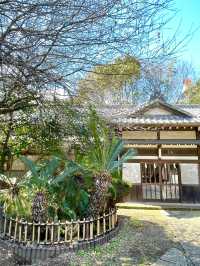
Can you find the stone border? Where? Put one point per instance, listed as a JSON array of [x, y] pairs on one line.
[[25, 254]]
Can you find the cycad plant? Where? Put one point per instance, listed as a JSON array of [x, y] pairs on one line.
[[104, 156], [41, 177], [59, 192]]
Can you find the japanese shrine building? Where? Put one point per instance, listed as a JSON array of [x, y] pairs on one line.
[[166, 139]]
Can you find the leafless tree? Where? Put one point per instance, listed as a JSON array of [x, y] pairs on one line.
[[45, 45], [163, 81]]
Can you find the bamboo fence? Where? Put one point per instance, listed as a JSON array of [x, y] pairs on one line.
[[61, 232]]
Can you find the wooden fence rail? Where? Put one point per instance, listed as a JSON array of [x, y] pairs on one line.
[[68, 232]]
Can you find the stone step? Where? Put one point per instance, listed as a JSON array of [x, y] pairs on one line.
[[159, 206]]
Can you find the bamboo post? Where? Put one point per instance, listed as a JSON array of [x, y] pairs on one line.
[[1, 219], [58, 231], [52, 228], [25, 231], [113, 219], [78, 228], [46, 232], [87, 229], [104, 223], [20, 230], [91, 228], [5, 223], [66, 230], [84, 229], [33, 233], [38, 233], [109, 220], [98, 225], [15, 233], [10, 227], [71, 231]]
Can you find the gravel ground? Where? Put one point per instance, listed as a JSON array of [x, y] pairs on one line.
[[145, 236], [6, 257]]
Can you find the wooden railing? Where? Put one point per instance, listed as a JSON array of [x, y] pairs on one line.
[[68, 232]]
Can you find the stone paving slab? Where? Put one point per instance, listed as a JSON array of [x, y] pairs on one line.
[[195, 260], [162, 263], [191, 249], [173, 257]]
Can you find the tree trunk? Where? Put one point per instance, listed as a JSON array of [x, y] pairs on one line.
[[98, 196], [5, 148]]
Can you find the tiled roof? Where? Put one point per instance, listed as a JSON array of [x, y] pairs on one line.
[[166, 120], [128, 115], [194, 109]]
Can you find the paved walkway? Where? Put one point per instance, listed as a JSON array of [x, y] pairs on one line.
[[188, 256], [186, 229]]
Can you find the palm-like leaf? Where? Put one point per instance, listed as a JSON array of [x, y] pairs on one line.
[[30, 165], [115, 149], [124, 158], [42, 175], [49, 168], [108, 159], [70, 169]]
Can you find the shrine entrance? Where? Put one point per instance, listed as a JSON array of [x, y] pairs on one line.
[[161, 181]]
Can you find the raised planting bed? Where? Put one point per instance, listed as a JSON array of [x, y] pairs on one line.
[[31, 241]]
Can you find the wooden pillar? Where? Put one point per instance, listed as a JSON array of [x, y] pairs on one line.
[[159, 164], [179, 182], [159, 145], [198, 151]]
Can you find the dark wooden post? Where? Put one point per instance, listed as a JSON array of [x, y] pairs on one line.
[[159, 166], [198, 152], [179, 182]]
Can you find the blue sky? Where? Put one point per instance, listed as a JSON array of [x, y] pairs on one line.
[[189, 15]]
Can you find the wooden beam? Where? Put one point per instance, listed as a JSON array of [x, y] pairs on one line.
[[163, 161], [163, 141]]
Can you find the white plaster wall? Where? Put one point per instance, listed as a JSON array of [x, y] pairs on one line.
[[189, 174], [131, 173], [178, 134], [157, 111], [18, 165], [139, 135]]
